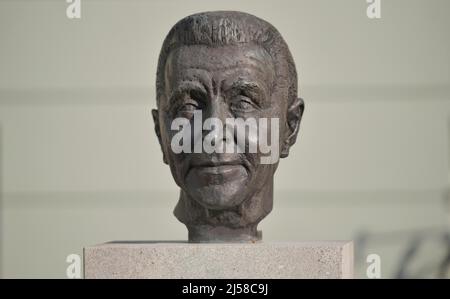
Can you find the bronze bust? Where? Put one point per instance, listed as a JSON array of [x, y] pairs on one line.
[[225, 65]]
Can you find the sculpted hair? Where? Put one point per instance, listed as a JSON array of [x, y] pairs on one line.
[[220, 28]]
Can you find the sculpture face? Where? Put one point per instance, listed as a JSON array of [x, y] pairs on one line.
[[223, 194], [224, 82]]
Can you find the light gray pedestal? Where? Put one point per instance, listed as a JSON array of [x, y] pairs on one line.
[[328, 259]]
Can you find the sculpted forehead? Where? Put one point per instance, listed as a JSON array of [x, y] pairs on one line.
[[250, 59], [221, 57]]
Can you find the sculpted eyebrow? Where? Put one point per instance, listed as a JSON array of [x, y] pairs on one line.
[[186, 87]]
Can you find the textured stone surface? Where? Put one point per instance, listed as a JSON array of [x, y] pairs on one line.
[[330, 259]]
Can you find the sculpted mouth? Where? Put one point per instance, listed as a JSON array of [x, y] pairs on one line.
[[210, 174], [224, 169], [215, 163], [220, 167]]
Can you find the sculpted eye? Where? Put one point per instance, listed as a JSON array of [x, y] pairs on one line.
[[189, 106], [190, 101], [242, 104]]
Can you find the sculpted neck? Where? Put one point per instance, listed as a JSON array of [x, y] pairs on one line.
[[238, 224]]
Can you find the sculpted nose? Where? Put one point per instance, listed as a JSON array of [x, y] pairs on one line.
[[217, 109], [215, 116]]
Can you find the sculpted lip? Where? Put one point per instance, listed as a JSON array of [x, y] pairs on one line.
[[216, 173], [220, 167], [221, 170]]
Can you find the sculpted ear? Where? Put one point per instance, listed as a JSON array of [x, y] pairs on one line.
[[294, 116], [155, 114]]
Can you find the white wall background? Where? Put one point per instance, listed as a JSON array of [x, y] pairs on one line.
[[80, 164]]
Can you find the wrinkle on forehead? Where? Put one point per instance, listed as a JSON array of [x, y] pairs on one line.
[[220, 59]]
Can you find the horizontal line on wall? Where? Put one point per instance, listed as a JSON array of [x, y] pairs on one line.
[[146, 95], [149, 198], [78, 96]]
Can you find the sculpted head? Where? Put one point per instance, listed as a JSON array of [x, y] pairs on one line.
[[225, 66]]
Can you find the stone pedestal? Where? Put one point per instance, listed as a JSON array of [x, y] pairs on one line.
[[328, 259]]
